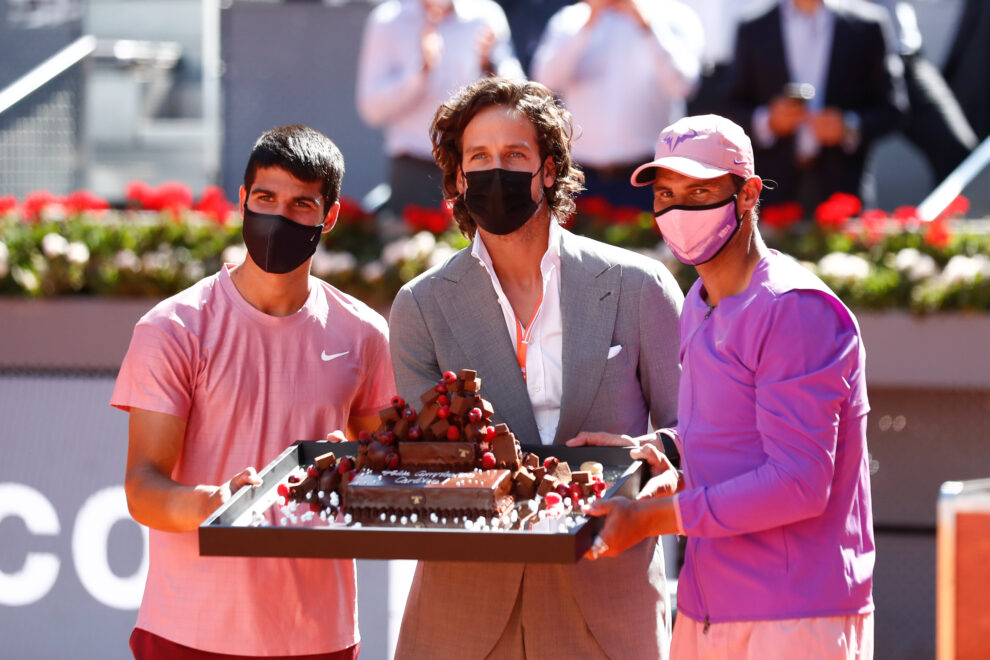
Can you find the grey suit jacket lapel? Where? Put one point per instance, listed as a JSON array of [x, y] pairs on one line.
[[470, 306], [589, 300]]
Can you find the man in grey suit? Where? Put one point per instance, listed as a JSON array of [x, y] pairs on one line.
[[567, 335]]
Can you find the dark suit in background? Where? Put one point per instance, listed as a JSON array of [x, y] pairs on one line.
[[861, 78]]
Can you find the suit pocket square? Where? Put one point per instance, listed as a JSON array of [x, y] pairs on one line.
[[613, 351]]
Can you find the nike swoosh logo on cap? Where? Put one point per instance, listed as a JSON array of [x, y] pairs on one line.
[[738, 162], [327, 358]]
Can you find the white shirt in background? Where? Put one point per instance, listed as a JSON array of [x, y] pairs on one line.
[[622, 84], [395, 94]]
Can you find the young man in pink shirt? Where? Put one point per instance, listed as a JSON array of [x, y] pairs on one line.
[[218, 380], [775, 493]]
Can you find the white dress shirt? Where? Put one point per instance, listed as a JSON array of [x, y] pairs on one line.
[[807, 49], [543, 335], [623, 84], [393, 91]]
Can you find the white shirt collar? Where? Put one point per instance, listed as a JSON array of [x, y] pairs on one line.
[[550, 259]]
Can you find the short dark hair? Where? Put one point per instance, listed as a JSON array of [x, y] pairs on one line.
[[553, 130], [303, 152]]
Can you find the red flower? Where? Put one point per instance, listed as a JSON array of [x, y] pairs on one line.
[[213, 203], [35, 202], [420, 218], [874, 223], [957, 207], [140, 193], [7, 203], [594, 205], [172, 196], [350, 211], [83, 200], [834, 212], [937, 234], [906, 215], [782, 216], [626, 215]]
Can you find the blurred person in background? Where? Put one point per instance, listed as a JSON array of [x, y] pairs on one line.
[[815, 83], [527, 20], [414, 55], [221, 378], [624, 69], [934, 123], [719, 20]]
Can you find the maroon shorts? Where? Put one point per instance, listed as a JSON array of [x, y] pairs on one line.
[[148, 646]]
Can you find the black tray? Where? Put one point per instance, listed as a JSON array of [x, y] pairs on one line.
[[228, 531]]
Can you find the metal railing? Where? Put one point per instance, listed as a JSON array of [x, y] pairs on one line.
[[41, 124]]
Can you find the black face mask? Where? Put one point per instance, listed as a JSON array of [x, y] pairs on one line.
[[276, 243], [500, 201]]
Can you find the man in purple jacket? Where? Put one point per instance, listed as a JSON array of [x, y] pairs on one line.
[[775, 493]]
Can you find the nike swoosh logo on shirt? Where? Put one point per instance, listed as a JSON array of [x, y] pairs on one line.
[[327, 358]]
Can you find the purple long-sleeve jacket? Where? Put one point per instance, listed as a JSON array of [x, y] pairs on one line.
[[772, 434]]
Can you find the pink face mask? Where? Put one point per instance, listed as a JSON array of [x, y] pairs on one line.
[[696, 234]]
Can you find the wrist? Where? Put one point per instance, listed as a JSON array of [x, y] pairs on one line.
[[665, 439]]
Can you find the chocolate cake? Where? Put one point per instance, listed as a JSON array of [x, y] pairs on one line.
[[422, 496], [442, 465]]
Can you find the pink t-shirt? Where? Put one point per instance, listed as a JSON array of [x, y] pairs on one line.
[[249, 385]]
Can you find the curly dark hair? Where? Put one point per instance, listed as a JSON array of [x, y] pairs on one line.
[[303, 152], [553, 130]]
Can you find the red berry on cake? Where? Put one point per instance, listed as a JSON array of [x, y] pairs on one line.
[[409, 414], [345, 464], [453, 434], [443, 400], [364, 437], [441, 387], [398, 402], [312, 471], [599, 487], [490, 433], [488, 461], [392, 461], [443, 412], [563, 490], [283, 490], [414, 433], [552, 499], [294, 479], [386, 437], [449, 377], [474, 415], [550, 463]]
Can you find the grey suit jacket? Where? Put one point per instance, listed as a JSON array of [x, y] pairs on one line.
[[449, 319]]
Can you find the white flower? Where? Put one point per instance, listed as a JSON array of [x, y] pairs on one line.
[[915, 265], [27, 279], [127, 260], [193, 271], [373, 271], [440, 254], [326, 263], [234, 254], [77, 253], [394, 252], [161, 259], [54, 245], [965, 270], [4, 260], [846, 268]]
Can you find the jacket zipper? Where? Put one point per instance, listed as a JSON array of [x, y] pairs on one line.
[[697, 571]]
